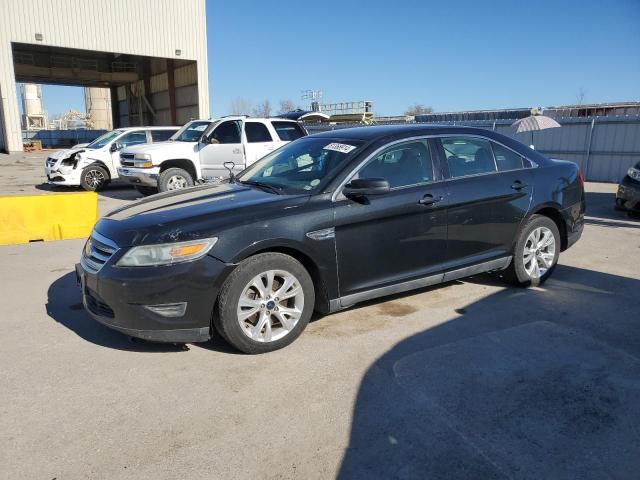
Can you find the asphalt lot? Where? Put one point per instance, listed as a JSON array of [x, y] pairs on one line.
[[471, 379]]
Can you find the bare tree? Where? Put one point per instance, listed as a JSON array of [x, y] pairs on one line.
[[240, 106], [418, 109], [263, 109], [287, 106], [580, 96]]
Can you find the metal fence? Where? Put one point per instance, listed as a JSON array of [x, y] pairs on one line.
[[603, 147]]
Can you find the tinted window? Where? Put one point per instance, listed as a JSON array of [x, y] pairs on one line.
[[161, 135], [257, 132], [104, 139], [132, 138], [288, 131], [227, 132], [468, 156], [506, 159], [191, 131], [401, 165]]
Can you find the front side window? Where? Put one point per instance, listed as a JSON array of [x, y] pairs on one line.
[[227, 132], [304, 166], [506, 159], [257, 132], [288, 131], [132, 138], [161, 135], [468, 156], [401, 165]]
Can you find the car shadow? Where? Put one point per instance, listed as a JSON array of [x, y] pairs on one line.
[[64, 305], [524, 383], [116, 190]]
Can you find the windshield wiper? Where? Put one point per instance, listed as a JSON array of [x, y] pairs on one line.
[[265, 186]]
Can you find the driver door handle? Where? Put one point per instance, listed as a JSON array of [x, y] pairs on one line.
[[518, 185], [429, 199]]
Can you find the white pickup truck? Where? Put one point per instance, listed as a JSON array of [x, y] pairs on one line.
[[95, 164], [199, 150]]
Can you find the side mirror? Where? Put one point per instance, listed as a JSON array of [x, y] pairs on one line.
[[114, 147], [363, 187]]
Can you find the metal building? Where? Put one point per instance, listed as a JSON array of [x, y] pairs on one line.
[[151, 54]]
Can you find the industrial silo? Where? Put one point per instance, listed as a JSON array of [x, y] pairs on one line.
[[98, 104]]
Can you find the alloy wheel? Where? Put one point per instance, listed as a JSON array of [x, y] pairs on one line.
[[270, 306], [539, 252], [177, 182], [94, 178]]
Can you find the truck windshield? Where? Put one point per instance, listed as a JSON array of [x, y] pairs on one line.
[[190, 132], [104, 139], [306, 165]]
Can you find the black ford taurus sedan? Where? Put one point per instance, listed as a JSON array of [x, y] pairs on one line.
[[325, 222]]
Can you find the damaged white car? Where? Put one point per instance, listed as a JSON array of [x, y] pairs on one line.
[[94, 165]]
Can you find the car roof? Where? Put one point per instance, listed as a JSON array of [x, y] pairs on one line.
[[127, 129]]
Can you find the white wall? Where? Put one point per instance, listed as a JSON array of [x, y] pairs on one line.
[[137, 27]]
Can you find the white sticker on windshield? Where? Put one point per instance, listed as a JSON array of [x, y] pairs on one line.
[[339, 147]]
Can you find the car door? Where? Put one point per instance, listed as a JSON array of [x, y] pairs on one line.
[[259, 141], [398, 236], [486, 204], [223, 144]]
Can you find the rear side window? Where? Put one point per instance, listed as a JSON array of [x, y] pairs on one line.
[[132, 138], [468, 156], [162, 135], [506, 159], [288, 131], [257, 132]]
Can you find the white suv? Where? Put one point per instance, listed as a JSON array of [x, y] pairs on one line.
[[199, 151], [95, 164]]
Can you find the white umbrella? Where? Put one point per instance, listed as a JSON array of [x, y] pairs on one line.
[[534, 123]]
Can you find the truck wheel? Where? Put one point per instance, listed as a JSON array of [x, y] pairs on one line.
[[265, 304], [536, 253], [174, 179], [146, 191], [94, 177]]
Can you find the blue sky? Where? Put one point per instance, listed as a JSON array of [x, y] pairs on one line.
[[456, 55]]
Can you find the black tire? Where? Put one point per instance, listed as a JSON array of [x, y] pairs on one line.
[[620, 204], [168, 176], [516, 272], [94, 177], [146, 191], [225, 318]]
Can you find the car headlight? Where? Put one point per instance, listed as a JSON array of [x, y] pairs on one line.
[[142, 160], [142, 156], [634, 173], [166, 253]]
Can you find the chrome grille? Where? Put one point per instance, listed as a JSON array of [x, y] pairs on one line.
[[97, 251], [126, 159]]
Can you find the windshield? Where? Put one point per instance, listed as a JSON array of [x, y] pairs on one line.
[[104, 139], [305, 165], [190, 132]]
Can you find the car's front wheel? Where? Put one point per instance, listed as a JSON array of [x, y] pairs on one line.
[[265, 304], [174, 178], [94, 177], [536, 252]]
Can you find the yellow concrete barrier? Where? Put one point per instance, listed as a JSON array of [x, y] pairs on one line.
[[53, 216]]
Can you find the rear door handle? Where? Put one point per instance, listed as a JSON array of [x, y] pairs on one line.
[[429, 199], [518, 185]]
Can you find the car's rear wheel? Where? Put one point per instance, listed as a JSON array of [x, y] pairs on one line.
[[174, 179], [265, 304], [536, 252], [94, 177], [620, 204]]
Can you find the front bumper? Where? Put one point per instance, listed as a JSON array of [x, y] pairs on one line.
[[629, 193], [147, 177], [116, 298], [62, 175]]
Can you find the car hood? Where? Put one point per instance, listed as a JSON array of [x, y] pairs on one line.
[[193, 213], [159, 147], [66, 153]]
